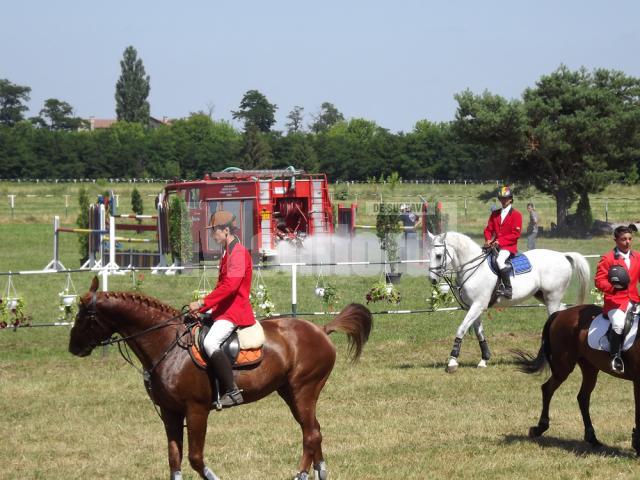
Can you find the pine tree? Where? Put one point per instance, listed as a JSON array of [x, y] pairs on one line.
[[132, 89]]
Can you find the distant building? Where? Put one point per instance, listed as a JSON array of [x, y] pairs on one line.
[[97, 123]]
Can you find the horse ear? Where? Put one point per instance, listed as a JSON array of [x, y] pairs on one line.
[[430, 236], [94, 284]]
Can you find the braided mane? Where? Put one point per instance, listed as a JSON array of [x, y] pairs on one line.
[[141, 299]]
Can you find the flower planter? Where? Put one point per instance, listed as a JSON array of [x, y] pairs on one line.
[[68, 299], [12, 303], [393, 278], [319, 292]]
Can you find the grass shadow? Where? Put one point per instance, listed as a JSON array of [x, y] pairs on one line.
[[579, 448], [464, 364]]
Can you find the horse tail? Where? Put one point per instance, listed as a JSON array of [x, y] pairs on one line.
[[527, 363], [581, 268], [356, 321]]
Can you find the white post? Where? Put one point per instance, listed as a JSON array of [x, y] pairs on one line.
[[294, 289], [55, 263], [12, 203], [66, 206]]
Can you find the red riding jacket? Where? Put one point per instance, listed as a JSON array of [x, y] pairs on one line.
[[230, 299], [506, 233], [618, 298]]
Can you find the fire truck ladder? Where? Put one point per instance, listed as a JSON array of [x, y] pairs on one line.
[[319, 196]]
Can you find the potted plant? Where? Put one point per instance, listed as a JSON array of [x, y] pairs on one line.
[[383, 291], [440, 296], [388, 228], [329, 295], [259, 298], [12, 306]]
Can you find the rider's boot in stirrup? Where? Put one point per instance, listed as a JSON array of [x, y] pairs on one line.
[[505, 289], [231, 395], [616, 352]]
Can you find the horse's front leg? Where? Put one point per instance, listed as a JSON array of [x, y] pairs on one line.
[[197, 430], [472, 315], [173, 427], [484, 346]]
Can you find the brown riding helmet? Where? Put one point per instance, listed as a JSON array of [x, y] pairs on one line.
[[222, 219]]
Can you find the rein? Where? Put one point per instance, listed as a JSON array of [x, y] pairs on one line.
[[124, 349], [469, 266]]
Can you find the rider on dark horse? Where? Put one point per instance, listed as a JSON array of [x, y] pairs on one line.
[[502, 232], [228, 302], [617, 277]]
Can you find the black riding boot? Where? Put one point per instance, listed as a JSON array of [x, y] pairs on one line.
[[505, 290], [615, 345], [231, 395]]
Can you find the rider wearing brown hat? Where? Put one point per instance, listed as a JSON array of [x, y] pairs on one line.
[[228, 302]]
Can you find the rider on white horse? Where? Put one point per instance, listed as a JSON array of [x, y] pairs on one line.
[[503, 230], [617, 276]]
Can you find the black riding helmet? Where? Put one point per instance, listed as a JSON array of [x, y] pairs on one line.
[[619, 277]]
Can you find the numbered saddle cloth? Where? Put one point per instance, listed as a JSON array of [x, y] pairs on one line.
[[598, 338]]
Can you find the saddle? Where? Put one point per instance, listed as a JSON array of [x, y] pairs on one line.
[[519, 263], [600, 330], [243, 347]]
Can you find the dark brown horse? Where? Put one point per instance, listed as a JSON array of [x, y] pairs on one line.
[[564, 343], [298, 358]]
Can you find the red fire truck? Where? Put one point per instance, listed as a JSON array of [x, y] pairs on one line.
[[270, 206]]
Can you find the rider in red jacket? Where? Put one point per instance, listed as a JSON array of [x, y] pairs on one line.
[[618, 295], [503, 230], [228, 302]]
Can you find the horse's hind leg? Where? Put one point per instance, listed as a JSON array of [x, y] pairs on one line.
[[482, 341], [302, 402], [589, 379], [173, 427], [548, 389]]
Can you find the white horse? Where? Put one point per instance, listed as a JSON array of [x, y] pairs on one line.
[[460, 261]]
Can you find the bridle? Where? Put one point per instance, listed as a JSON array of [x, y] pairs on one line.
[[91, 315], [451, 275]]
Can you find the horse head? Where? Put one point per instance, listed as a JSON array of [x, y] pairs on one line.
[[439, 257], [88, 330]]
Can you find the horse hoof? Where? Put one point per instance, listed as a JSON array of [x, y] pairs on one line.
[[482, 363], [301, 476], [320, 471], [591, 439], [536, 431], [452, 365]]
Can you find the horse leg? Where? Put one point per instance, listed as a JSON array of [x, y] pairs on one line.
[[548, 389], [302, 403], [173, 428], [635, 436], [589, 379], [197, 431], [472, 315], [484, 346]]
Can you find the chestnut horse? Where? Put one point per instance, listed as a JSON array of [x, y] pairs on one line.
[[564, 343], [298, 358]]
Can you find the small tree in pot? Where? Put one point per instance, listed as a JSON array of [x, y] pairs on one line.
[[388, 227], [180, 231]]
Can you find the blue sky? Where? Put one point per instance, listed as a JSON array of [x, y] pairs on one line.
[[391, 62]]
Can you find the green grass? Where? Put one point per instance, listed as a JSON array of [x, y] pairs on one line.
[[395, 414]]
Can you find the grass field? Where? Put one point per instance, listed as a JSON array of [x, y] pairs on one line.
[[394, 415]]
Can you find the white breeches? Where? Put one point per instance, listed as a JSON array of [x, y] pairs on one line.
[[501, 259], [617, 318], [220, 331]]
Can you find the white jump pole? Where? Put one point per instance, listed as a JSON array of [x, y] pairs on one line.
[[294, 289]]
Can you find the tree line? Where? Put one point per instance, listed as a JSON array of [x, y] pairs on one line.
[[570, 134]]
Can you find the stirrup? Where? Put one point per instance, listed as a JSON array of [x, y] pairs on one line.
[[617, 365], [506, 293], [231, 399]]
